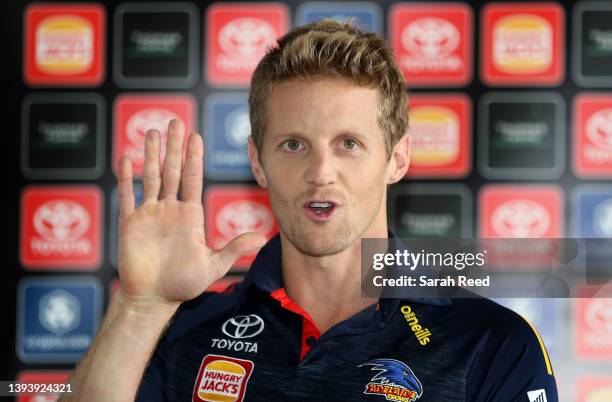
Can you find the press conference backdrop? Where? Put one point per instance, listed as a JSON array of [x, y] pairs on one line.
[[511, 123]]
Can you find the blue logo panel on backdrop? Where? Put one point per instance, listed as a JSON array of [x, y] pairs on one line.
[[57, 318], [226, 119], [368, 15]]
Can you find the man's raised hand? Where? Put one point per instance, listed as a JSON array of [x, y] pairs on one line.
[[163, 258]]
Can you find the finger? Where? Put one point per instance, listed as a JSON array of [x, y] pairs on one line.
[[151, 177], [174, 160], [192, 177], [246, 243], [125, 187]]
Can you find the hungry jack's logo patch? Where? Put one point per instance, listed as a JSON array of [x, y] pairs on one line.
[[222, 379]]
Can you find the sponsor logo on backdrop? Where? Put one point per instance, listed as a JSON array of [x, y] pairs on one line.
[[57, 318], [394, 381], [433, 43], [520, 218], [233, 210], [431, 211], [227, 122], [59, 312], [599, 133], [521, 135], [243, 216], [238, 127], [523, 43], [593, 135], [135, 114], [156, 45], [430, 39], [237, 38], [62, 221], [603, 218], [222, 378], [520, 212], [61, 227], [368, 16], [435, 135], [63, 136], [592, 60], [64, 44], [440, 135], [594, 328], [592, 211]]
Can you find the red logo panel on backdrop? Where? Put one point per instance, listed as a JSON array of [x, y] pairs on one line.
[[61, 227], [135, 114], [432, 42], [64, 44], [233, 210], [523, 44], [514, 211], [237, 36], [441, 135], [593, 135]]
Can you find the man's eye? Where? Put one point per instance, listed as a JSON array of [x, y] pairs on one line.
[[292, 145], [349, 143]]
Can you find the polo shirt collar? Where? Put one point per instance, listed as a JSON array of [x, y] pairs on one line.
[[266, 274]]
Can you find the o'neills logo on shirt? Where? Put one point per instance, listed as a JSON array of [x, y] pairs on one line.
[[422, 334], [222, 379]]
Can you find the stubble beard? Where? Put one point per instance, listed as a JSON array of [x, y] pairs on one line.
[[330, 238], [313, 244]]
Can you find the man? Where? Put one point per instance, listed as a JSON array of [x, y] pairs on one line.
[[329, 134]]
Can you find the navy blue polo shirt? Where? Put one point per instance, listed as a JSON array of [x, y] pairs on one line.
[[253, 343]]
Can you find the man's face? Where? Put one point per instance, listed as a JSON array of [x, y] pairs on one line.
[[323, 161]]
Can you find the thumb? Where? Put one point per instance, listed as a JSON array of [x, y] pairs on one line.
[[246, 243]]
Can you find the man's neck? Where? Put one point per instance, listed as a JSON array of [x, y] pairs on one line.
[[329, 287]]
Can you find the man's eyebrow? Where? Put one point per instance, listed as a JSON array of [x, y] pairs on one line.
[[291, 134], [352, 132]]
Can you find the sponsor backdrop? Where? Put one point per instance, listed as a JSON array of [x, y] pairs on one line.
[[511, 122]]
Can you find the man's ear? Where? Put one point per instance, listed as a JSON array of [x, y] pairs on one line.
[[256, 168], [400, 159]]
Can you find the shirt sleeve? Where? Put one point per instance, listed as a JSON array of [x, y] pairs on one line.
[[512, 365]]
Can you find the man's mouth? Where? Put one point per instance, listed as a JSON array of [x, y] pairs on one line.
[[320, 210], [320, 207]]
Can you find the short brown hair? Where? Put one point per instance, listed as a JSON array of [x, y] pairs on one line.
[[335, 49]]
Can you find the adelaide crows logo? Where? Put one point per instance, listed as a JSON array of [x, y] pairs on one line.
[[394, 380]]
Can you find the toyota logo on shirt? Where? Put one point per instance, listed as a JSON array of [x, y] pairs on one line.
[[243, 326]]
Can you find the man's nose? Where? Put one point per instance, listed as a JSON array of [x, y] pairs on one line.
[[321, 169]]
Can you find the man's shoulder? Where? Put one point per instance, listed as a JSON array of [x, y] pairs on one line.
[[483, 330], [487, 317]]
